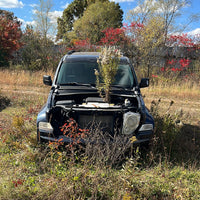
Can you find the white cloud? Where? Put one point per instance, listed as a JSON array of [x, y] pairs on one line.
[[143, 8], [33, 5], [194, 32], [54, 15], [11, 4], [159, 7], [34, 11], [31, 23], [24, 23], [21, 20], [65, 6]]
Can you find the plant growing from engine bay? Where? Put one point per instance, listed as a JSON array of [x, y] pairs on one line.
[[108, 62]]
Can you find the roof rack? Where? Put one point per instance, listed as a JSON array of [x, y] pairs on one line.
[[71, 52]]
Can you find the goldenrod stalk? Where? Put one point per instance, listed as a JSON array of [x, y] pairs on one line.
[[108, 65]]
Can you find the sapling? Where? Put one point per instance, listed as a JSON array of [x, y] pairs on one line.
[[108, 62]]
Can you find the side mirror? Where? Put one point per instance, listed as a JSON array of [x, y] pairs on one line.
[[144, 83], [47, 80]]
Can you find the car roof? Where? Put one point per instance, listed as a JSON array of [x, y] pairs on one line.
[[87, 56], [86, 53]]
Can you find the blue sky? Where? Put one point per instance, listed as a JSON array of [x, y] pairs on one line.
[[23, 9]]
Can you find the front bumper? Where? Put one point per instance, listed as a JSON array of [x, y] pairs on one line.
[[141, 137]]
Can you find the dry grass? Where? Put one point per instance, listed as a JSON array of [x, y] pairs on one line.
[[26, 82], [186, 90], [185, 96], [22, 77], [30, 171]]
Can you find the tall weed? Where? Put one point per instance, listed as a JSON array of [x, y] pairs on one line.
[[172, 143]]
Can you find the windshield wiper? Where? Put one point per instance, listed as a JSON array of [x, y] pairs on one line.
[[78, 84]]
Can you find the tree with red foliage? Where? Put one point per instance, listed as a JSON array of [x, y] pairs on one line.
[[10, 34], [185, 44], [180, 40], [83, 45], [122, 38], [139, 41], [113, 36]]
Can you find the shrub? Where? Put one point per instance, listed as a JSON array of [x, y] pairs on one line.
[[4, 102], [108, 64]]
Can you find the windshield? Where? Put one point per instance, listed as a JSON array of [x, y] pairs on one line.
[[83, 73]]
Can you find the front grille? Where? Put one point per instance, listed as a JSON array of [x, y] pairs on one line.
[[96, 121]]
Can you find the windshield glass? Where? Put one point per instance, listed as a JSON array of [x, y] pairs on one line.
[[83, 73]]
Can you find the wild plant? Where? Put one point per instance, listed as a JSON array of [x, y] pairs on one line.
[[4, 101], [167, 132], [108, 64]]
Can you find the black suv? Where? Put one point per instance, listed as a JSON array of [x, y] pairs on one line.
[[73, 95]]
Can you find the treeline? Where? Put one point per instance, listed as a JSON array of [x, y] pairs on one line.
[[89, 24]]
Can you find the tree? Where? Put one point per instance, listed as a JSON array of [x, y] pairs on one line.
[[158, 18], [108, 61], [73, 12], [148, 41], [8, 15], [10, 34], [82, 45], [185, 45], [113, 36], [36, 53], [168, 10], [41, 17], [96, 18]]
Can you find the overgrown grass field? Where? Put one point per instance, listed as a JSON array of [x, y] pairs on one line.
[[168, 169]]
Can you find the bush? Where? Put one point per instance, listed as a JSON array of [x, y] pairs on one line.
[[174, 140], [4, 102]]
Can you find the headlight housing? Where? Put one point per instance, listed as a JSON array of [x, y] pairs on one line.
[[45, 127], [146, 127], [130, 122]]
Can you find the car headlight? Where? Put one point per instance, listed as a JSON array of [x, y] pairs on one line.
[[45, 127], [131, 122], [146, 127]]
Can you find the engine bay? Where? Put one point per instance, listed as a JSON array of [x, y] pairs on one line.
[[91, 112]]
